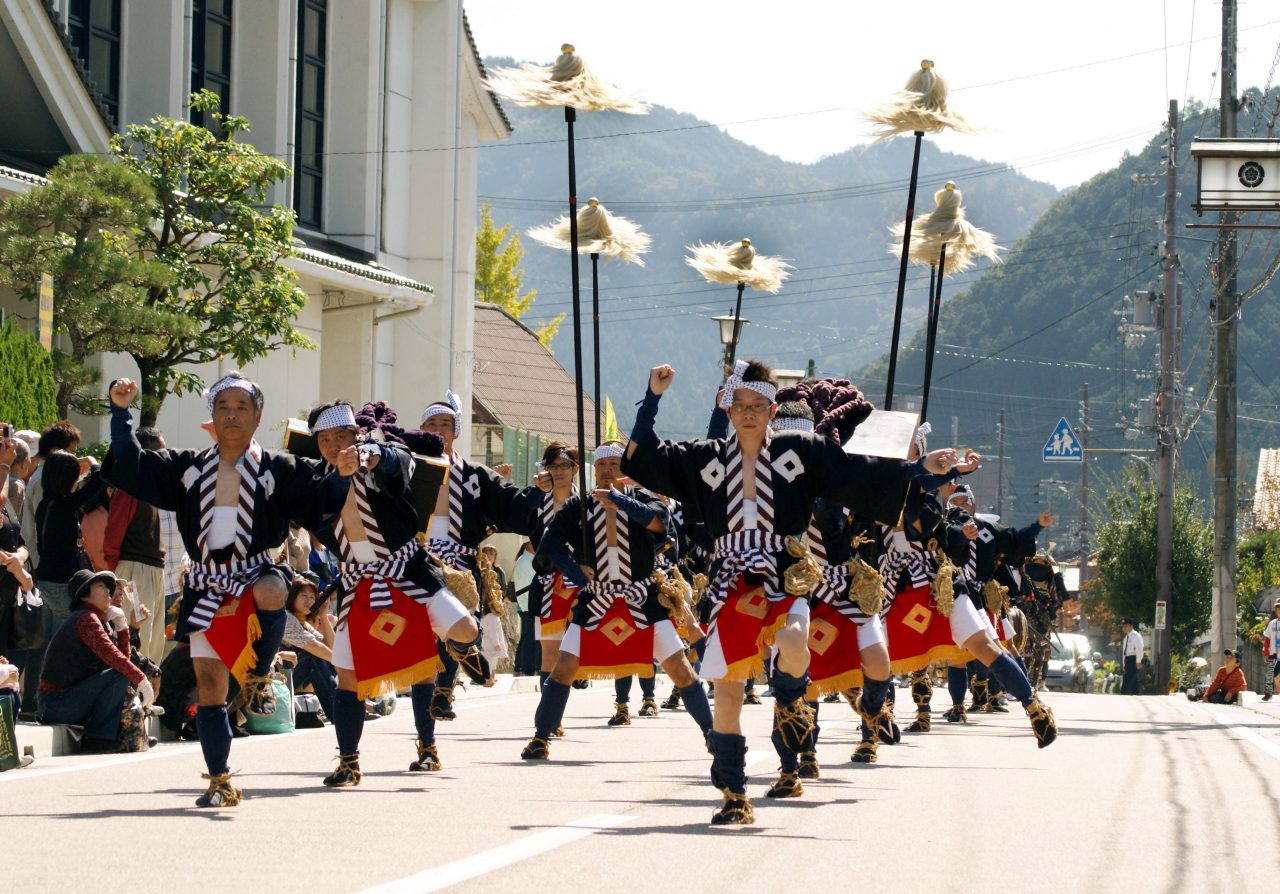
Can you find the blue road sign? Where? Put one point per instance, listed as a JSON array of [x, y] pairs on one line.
[[1063, 446]]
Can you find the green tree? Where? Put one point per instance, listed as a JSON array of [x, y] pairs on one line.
[[80, 228], [27, 399], [228, 282], [1258, 567], [1127, 554], [498, 273]]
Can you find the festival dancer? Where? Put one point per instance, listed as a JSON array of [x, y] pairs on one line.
[[970, 628], [755, 494], [620, 624], [846, 636], [476, 503], [234, 502], [392, 603]]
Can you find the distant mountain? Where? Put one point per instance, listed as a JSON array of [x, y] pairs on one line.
[[684, 180], [1026, 336]]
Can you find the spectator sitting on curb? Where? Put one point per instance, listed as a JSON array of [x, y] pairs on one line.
[[9, 693], [1228, 682], [87, 678]]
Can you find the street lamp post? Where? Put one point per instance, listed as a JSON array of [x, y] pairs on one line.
[[730, 334]]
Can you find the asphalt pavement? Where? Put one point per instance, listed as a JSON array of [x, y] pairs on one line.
[[1138, 794]]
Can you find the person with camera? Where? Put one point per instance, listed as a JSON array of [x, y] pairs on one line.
[[87, 679]]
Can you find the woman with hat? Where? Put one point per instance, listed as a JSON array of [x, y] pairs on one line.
[[88, 679]]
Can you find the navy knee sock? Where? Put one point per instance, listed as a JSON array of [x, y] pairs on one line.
[[646, 686], [420, 695], [542, 680], [788, 760], [1012, 678], [728, 761], [957, 684], [622, 690], [348, 721], [214, 728], [786, 688], [695, 702], [812, 743], [555, 696], [873, 696], [268, 644]]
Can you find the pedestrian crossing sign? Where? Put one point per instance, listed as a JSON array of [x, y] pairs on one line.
[[1063, 446]]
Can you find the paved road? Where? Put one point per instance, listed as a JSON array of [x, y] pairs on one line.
[[1138, 794]]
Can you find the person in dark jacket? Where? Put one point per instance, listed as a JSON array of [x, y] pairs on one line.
[[87, 678]]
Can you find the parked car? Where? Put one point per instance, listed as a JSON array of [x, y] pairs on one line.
[[1070, 666]]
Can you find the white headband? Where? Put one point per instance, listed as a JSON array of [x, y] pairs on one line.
[[340, 416], [452, 406], [608, 451], [734, 382], [211, 393], [791, 423]]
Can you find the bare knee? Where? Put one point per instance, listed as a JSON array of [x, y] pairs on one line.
[[464, 630], [982, 647], [679, 670], [565, 667], [212, 680], [875, 662], [346, 679], [270, 593]]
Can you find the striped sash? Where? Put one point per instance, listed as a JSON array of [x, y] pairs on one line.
[[600, 528], [743, 549], [901, 555], [601, 595], [207, 483], [360, 490], [452, 553], [219, 580], [455, 499], [384, 572]]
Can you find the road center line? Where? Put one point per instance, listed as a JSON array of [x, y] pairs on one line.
[[1243, 732], [500, 857]]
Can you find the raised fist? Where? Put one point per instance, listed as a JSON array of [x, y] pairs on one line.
[[1045, 519], [660, 378], [123, 391]]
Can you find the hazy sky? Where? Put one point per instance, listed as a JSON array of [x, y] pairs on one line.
[[1061, 90]]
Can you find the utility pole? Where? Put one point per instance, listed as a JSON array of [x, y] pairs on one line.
[[1000, 468], [1224, 453], [1166, 433], [1084, 484]]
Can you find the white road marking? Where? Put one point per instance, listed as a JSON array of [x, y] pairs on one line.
[[500, 857], [1243, 732]]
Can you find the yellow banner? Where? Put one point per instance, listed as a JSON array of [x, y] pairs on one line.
[[610, 422], [44, 319]]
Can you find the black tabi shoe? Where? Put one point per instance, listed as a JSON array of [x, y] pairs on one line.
[[736, 811], [809, 765], [787, 785], [558, 732], [442, 704], [865, 753], [621, 716], [470, 659], [536, 750], [832, 698], [794, 723], [751, 699], [672, 701], [347, 773], [428, 758], [887, 728], [221, 792], [955, 714], [258, 697], [1043, 725], [648, 708]]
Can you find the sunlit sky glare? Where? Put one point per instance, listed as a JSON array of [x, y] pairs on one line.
[[1060, 90]]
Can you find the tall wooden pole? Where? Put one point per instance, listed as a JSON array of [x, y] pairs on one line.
[[1224, 451], [1166, 418], [595, 335], [569, 116]]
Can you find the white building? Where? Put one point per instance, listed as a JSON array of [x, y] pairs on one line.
[[377, 105]]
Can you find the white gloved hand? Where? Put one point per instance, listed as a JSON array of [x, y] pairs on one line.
[[116, 618], [146, 693]]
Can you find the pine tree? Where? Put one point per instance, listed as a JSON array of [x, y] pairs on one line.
[[498, 273], [27, 399]]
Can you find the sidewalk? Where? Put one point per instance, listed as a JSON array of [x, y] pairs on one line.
[[1253, 702], [50, 741]]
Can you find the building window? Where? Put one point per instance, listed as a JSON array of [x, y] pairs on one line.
[[308, 167], [94, 29], [211, 53]]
